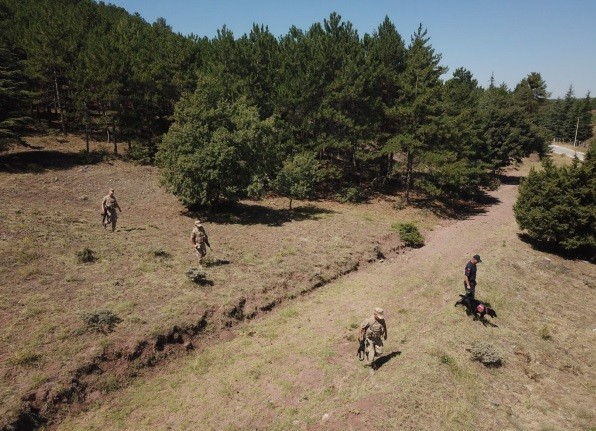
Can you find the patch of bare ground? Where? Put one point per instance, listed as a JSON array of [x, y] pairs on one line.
[[72, 332], [296, 368]]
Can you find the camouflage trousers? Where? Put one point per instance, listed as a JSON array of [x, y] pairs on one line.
[[201, 251], [109, 216], [374, 348]]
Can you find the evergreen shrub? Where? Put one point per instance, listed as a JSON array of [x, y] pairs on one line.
[[556, 206], [409, 234]]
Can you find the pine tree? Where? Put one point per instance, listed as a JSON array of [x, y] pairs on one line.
[[569, 115], [13, 95], [555, 119], [343, 113], [557, 206], [53, 35], [322, 99], [386, 59], [419, 108], [259, 62], [508, 134], [585, 126], [531, 96], [455, 166]]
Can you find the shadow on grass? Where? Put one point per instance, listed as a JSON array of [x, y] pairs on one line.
[[486, 322], [216, 262], [199, 277], [41, 161], [458, 210], [512, 180], [253, 214], [585, 253], [384, 359], [130, 229]]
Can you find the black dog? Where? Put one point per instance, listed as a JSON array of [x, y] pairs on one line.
[[475, 307]]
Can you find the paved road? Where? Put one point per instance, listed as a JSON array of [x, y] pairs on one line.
[[571, 153]]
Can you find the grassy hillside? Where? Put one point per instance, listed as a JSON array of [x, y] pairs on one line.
[[52, 358], [296, 368]]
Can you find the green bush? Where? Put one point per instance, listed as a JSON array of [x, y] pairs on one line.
[[141, 154], [557, 206], [86, 256], [216, 146], [446, 359], [545, 333], [409, 234], [351, 195], [160, 253], [92, 157], [298, 177], [486, 354], [398, 204], [25, 358], [103, 321]]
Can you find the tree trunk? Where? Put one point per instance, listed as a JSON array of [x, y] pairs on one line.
[[59, 102], [389, 163], [152, 150], [409, 168], [86, 128], [105, 120], [114, 136]]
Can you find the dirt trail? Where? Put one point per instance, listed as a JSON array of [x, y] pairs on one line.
[[458, 239], [296, 368]]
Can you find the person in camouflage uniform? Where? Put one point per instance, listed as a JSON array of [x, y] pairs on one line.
[[109, 204], [373, 331], [200, 241]]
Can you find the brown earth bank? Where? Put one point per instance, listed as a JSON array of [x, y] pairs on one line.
[[51, 360], [296, 368]]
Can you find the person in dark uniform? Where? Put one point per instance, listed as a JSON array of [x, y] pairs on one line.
[[470, 276]]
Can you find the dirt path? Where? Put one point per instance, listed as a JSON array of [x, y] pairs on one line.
[[296, 368]]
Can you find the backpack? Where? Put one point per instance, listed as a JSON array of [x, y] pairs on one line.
[[376, 329]]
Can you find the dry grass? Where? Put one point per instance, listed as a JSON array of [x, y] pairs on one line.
[[297, 369], [50, 216]]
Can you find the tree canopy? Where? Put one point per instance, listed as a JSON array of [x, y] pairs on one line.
[[223, 116], [557, 206]]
